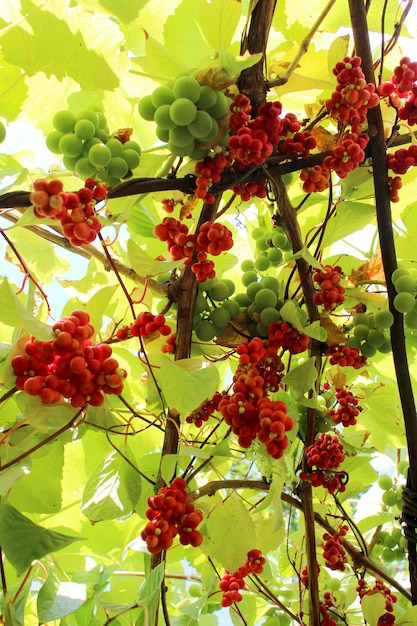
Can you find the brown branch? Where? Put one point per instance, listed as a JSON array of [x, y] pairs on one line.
[[389, 261], [252, 81], [358, 557], [292, 228]]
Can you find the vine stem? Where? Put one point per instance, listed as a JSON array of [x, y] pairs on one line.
[[27, 271], [119, 278], [290, 224], [281, 80], [87, 252], [358, 557], [39, 445], [186, 293], [389, 261]]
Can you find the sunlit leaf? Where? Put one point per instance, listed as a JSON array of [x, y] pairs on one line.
[[112, 490], [301, 379], [224, 543], [187, 382], [144, 265], [373, 606], [13, 313], [46, 469], [59, 598], [23, 541], [13, 173], [86, 66], [217, 21]]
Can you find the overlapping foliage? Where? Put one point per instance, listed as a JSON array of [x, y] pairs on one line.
[[270, 387]]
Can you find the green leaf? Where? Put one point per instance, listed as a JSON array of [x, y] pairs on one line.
[[373, 606], [11, 617], [349, 218], [305, 254], [217, 21], [291, 313], [23, 541], [148, 595], [12, 83], [42, 258], [140, 220], [337, 51], [315, 331], [98, 304], [144, 265], [46, 470], [230, 533], [11, 475], [409, 618], [159, 63], [57, 599], [186, 383], [36, 51], [112, 490], [234, 64], [12, 173], [13, 313], [302, 378]]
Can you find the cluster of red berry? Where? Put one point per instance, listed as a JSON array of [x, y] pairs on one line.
[[145, 325], [408, 111], [333, 551], [402, 80], [255, 139], [387, 619], [334, 482], [251, 190], [402, 86], [171, 513], [283, 335], [346, 409], [331, 292], [347, 155], [402, 159], [170, 344], [300, 144], [230, 584], [394, 184], [344, 356], [248, 409], [212, 238], [326, 453], [304, 574], [180, 243], [203, 412], [69, 366], [74, 210], [315, 178], [353, 96], [328, 603], [210, 171]]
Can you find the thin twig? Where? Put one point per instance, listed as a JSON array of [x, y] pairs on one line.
[[281, 80]]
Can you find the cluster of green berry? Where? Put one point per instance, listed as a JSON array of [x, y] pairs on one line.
[[88, 149], [270, 247], [370, 333], [405, 300], [186, 115], [214, 308]]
